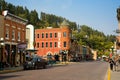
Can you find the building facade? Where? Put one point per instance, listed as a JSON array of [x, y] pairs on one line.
[[12, 38], [80, 52], [52, 41]]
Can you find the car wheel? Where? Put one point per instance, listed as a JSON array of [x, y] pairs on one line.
[[44, 67], [25, 68], [35, 67]]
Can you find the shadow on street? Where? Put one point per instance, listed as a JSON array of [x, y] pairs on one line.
[[10, 76]]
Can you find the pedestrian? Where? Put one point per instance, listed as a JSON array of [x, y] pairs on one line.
[[116, 61], [111, 64]]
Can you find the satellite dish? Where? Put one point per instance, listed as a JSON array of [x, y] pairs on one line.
[[5, 13]]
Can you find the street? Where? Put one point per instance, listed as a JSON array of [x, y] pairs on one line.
[[94, 70]]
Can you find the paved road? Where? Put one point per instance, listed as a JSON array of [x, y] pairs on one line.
[[76, 71]]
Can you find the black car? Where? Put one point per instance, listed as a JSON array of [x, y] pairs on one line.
[[35, 63]]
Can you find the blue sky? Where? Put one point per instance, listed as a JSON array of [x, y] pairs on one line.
[[97, 14]]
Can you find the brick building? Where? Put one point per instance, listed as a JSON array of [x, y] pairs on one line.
[[53, 40], [12, 38], [80, 52]]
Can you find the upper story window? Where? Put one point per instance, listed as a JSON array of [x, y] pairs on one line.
[[50, 44], [19, 36], [42, 45], [38, 35], [64, 34], [42, 35], [55, 44], [7, 33], [23, 36], [37, 45], [50, 35], [55, 35], [13, 34], [46, 35], [65, 44], [70, 35], [34, 35], [46, 44]]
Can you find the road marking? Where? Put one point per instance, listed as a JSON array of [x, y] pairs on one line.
[[109, 74]]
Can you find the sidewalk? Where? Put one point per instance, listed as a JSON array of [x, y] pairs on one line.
[[20, 68], [115, 75], [11, 69]]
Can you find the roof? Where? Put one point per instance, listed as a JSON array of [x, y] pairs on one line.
[[15, 18], [64, 23]]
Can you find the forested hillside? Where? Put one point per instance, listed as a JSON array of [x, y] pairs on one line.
[[93, 38], [32, 16]]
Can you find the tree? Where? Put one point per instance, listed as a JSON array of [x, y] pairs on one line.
[[95, 40], [33, 17]]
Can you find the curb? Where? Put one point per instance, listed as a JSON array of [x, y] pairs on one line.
[[20, 68], [10, 70]]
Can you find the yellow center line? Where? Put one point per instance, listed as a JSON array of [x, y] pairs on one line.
[[109, 74]]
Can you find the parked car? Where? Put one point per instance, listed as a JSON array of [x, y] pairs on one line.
[[35, 63]]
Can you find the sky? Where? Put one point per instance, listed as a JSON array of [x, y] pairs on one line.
[[98, 14]]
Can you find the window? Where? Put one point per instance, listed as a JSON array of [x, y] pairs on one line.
[[64, 34], [7, 33], [46, 35], [50, 44], [70, 35], [50, 35], [55, 35], [18, 36], [46, 44], [13, 34], [65, 44], [42, 35], [34, 35], [42, 45], [37, 45], [23, 36], [38, 36], [55, 44]]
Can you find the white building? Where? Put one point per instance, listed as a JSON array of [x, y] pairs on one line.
[[30, 37]]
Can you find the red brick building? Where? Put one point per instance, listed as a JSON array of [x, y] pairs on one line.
[[53, 40], [12, 33]]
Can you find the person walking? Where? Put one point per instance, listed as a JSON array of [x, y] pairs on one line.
[[116, 61], [111, 64]]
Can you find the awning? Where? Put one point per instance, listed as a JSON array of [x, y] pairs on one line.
[[31, 50], [22, 46]]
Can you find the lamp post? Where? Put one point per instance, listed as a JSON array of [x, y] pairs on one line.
[[112, 48], [1, 53], [49, 57], [87, 41]]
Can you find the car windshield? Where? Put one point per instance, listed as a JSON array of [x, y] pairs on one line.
[[36, 59]]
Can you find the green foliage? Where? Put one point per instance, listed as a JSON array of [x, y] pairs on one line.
[[93, 38], [55, 21]]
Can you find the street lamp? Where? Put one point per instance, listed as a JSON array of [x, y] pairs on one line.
[[49, 57], [1, 52], [112, 48], [86, 40]]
